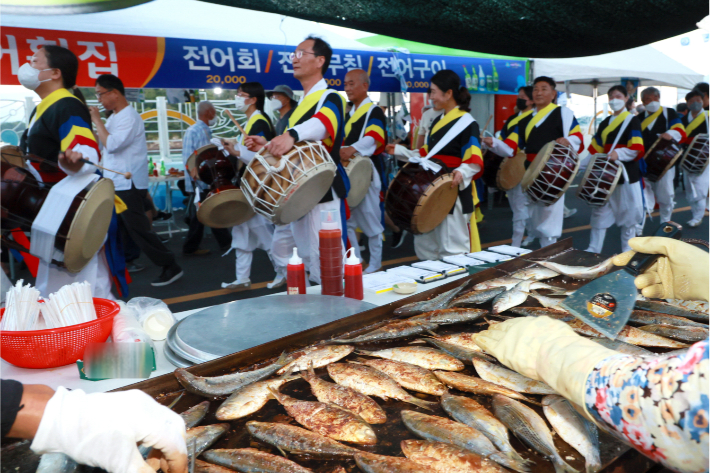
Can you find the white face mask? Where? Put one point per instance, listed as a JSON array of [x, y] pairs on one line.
[[240, 105], [213, 121], [695, 107], [275, 104], [29, 76], [653, 107], [617, 104]]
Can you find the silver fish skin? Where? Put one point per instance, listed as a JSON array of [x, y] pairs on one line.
[[630, 335], [195, 414], [471, 413], [457, 351], [391, 331], [440, 429], [645, 317], [494, 373], [505, 281], [547, 302], [57, 463], [672, 309], [508, 299], [530, 428], [227, 384], [372, 463], [580, 272], [552, 312], [296, 440], [204, 436], [686, 334], [537, 273], [253, 460], [250, 399], [622, 347], [205, 467], [574, 429], [476, 297], [449, 316], [695, 306], [439, 302], [319, 356]]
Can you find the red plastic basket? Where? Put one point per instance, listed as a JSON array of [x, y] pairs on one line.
[[58, 346]]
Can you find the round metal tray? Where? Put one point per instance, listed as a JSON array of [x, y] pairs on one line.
[[175, 359]]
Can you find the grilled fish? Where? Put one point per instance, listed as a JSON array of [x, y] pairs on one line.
[[328, 419], [447, 458], [195, 414], [471, 413], [511, 298], [473, 385], [319, 356], [439, 302], [408, 376], [457, 351], [347, 398], [371, 463], [673, 309], [645, 317], [439, 429], [461, 339], [529, 427], [574, 429], [425, 357], [552, 312], [621, 347], [205, 467], [401, 329], [253, 460], [372, 382], [536, 273], [510, 379], [205, 436], [449, 316], [686, 334], [581, 272], [547, 302], [227, 384], [630, 335], [250, 399], [477, 297], [296, 440], [695, 306]]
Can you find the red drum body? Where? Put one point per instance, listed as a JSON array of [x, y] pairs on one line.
[[695, 159], [551, 173], [661, 157], [599, 181]]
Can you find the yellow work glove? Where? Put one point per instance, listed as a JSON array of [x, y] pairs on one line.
[[547, 350], [681, 274]]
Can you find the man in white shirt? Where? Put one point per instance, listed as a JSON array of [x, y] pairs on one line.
[[122, 139]]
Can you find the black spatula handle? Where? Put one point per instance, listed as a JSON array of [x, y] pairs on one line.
[[641, 261]]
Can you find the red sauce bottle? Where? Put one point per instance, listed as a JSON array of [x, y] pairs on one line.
[[295, 275], [353, 276], [330, 245]]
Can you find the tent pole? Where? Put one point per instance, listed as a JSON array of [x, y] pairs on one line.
[[594, 119]]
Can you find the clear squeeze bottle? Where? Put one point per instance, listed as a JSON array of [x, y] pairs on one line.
[[353, 276], [330, 245], [296, 275]]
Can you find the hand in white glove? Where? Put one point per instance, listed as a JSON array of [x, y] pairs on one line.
[[547, 350], [681, 274], [103, 429]]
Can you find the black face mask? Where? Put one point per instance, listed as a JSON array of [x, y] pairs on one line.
[[522, 104]]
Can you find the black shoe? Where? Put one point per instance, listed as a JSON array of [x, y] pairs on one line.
[[398, 238], [169, 275], [134, 267], [162, 215]]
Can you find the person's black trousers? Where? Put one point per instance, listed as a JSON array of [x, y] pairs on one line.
[[196, 229]]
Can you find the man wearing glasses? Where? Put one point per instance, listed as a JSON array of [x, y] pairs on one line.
[[319, 116]]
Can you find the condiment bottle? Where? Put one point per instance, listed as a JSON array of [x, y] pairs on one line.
[[330, 245], [296, 274], [353, 276]]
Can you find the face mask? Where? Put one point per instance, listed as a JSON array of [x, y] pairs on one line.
[[275, 104], [29, 76], [522, 104], [239, 104], [213, 121], [617, 104], [653, 107], [695, 107]]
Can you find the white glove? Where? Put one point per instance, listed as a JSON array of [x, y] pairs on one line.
[[547, 350], [102, 429]]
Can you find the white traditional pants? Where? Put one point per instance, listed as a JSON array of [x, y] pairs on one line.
[[368, 217], [624, 209], [696, 191], [451, 237], [257, 232], [663, 193], [518, 201], [51, 278], [546, 221]]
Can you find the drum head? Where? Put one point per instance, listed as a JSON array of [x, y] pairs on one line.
[[200, 154], [599, 199], [89, 226], [224, 209], [664, 144], [434, 205], [696, 157], [310, 189], [511, 171], [12, 155], [537, 165], [359, 172]]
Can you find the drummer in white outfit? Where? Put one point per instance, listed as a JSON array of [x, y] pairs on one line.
[[619, 136], [696, 185], [516, 197], [365, 135], [258, 231]]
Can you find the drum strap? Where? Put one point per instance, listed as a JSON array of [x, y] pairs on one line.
[[460, 125], [55, 207], [622, 129]]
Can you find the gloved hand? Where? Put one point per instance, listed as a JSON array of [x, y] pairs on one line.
[[102, 429], [547, 350], [681, 274]]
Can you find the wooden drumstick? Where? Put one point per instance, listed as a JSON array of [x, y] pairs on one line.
[[231, 117], [127, 175], [487, 123]]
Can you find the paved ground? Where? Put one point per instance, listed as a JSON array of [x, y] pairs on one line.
[[201, 285]]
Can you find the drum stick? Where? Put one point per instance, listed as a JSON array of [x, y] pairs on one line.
[[231, 117], [127, 175], [488, 123]]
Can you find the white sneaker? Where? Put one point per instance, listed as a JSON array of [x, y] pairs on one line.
[[238, 284], [569, 212], [529, 240], [278, 281], [371, 269], [694, 223]]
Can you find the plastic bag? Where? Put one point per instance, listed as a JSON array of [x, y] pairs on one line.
[[127, 328], [153, 315]]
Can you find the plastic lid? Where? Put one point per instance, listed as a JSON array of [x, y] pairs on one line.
[[295, 259], [329, 220], [352, 259]]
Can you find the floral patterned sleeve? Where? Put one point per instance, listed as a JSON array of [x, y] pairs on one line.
[[659, 405]]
